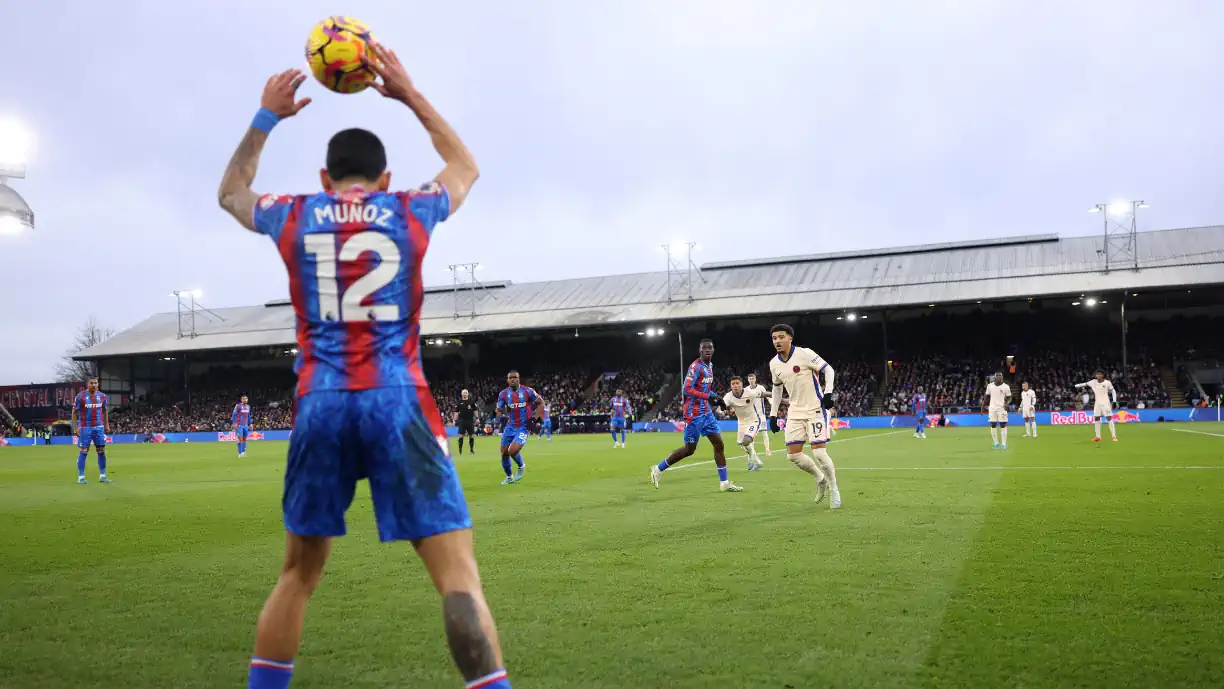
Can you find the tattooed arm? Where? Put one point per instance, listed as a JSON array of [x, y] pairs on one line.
[[235, 194], [278, 102]]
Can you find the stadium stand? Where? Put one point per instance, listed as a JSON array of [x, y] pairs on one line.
[[938, 316]]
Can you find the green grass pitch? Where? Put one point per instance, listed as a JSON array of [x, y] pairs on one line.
[[1058, 563]]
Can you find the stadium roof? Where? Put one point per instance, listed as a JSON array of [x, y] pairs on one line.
[[1002, 269]]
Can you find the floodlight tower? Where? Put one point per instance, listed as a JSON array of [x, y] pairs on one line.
[[187, 303], [15, 143], [1121, 228], [680, 270], [464, 285]]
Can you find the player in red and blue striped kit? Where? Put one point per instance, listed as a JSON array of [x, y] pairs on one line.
[[91, 421], [240, 422], [699, 419], [919, 403], [364, 411], [621, 410], [516, 404]]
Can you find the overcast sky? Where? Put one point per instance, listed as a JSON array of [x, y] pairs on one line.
[[756, 128]]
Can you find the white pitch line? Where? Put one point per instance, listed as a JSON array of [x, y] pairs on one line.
[[843, 440], [1008, 468], [1185, 430]]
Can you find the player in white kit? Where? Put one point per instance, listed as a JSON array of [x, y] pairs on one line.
[[998, 394], [753, 386], [794, 371], [1028, 409], [744, 403], [1105, 397]]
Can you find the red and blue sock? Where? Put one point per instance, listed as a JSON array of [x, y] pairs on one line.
[[102, 462], [498, 679], [271, 674]]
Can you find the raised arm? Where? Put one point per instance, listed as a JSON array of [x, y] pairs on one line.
[[460, 172], [235, 194]]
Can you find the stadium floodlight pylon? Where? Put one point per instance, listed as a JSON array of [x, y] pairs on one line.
[[463, 287], [680, 271], [1121, 224], [187, 303]]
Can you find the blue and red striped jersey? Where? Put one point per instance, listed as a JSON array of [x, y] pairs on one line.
[[621, 408], [89, 409], [697, 389], [518, 404], [241, 415], [354, 262], [919, 404], [547, 412]]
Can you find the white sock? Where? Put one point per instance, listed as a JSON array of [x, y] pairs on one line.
[[826, 465], [1034, 422], [1096, 425], [807, 464], [1113, 431], [994, 435], [1004, 432], [751, 448]]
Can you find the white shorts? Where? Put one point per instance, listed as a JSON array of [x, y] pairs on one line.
[[1028, 412], [1102, 411], [800, 431], [748, 429], [998, 416]]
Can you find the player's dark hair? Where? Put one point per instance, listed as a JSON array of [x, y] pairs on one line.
[[735, 378], [1100, 371], [355, 153], [512, 372], [91, 379], [782, 328], [705, 341]]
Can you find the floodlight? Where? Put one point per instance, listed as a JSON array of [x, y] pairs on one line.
[[851, 316], [15, 213], [1090, 302], [1119, 207]]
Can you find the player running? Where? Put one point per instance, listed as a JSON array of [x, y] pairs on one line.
[[1028, 410], [364, 410], [760, 401], [744, 403], [1104, 398], [998, 395], [91, 423], [546, 422], [465, 418], [794, 371], [919, 405], [699, 421], [621, 411], [517, 404], [240, 423]]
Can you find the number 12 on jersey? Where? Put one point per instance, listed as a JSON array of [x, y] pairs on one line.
[[348, 307]]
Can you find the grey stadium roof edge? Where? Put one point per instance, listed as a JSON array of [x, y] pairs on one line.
[[1009, 268]]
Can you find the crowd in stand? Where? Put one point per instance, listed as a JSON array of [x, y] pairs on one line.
[[1052, 355]]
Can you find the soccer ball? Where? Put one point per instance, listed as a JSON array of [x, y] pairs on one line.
[[338, 53]]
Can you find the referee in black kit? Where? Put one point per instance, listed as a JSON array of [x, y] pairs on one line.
[[465, 419]]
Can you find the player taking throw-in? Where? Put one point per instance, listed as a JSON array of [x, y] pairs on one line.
[[364, 410]]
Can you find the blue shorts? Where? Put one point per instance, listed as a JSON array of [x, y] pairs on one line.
[[393, 437], [95, 434], [243, 431], [514, 434], [618, 424], [700, 426], [547, 423]]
